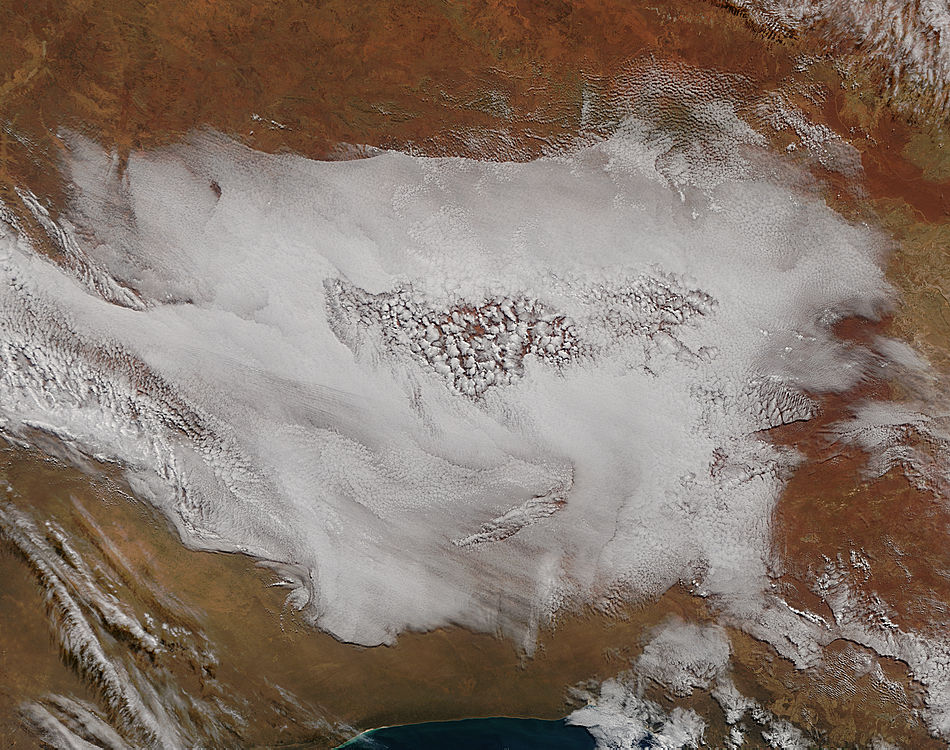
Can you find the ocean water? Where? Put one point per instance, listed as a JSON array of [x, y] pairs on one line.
[[477, 734], [481, 392], [437, 391]]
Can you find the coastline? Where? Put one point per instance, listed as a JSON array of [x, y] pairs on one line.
[[451, 673]]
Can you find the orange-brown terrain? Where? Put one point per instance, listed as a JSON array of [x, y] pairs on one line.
[[496, 80]]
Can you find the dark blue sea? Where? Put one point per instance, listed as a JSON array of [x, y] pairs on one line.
[[476, 734]]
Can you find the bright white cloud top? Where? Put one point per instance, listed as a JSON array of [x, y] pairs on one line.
[[446, 391]]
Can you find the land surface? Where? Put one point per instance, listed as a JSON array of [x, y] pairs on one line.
[[500, 80]]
